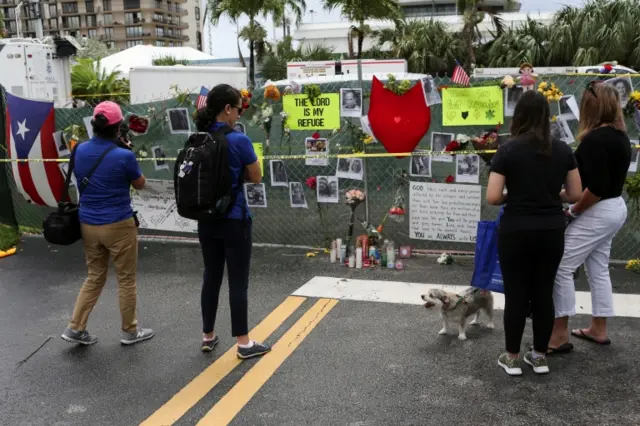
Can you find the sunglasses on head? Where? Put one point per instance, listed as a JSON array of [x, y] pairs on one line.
[[590, 87]]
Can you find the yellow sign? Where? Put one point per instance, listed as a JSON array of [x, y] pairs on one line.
[[257, 147], [321, 114], [474, 106]]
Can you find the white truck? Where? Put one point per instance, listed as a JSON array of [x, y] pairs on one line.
[[155, 83], [501, 72], [38, 69], [301, 70]]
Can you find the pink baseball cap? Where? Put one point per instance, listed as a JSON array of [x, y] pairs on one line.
[[110, 110]]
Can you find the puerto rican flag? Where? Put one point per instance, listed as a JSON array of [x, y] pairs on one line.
[[30, 126]]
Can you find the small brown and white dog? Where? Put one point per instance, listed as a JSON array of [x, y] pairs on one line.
[[458, 308]]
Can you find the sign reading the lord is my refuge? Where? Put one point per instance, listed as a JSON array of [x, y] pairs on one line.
[[474, 106], [444, 212], [323, 113]]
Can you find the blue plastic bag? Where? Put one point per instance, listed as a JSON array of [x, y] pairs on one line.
[[487, 274]]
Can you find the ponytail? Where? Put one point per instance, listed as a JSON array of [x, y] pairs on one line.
[[217, 99]]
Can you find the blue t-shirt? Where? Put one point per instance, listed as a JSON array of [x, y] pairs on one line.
[[107, 198], [241, 154]]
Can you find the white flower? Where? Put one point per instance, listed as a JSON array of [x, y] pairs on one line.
[[267, 112], [445, 259], [143, 153], [463, 138]]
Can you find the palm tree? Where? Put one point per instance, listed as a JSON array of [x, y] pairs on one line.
[[427, 45], [474, 12], [359, 11], [600, 31], [252, 9], [530, 42], [92, 83], [285, 9], [2, 32], [274, 66]]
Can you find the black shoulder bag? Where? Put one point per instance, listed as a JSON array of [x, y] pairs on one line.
[[62, 227]]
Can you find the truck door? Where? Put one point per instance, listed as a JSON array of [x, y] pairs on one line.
[[36, 61]]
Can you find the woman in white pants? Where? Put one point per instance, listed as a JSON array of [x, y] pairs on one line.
[[603, 156]]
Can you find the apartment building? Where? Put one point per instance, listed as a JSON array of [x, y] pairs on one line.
[[119, 23]]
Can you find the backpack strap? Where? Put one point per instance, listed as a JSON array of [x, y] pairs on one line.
[[223, 131], [82, 185]]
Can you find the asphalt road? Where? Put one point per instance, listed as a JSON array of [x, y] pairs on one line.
[[360, 363]]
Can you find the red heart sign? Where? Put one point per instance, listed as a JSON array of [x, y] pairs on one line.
[[398, 133]]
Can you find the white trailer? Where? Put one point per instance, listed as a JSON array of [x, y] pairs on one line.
[[300, 70], [35, 69], [154, 83], [501, 72]]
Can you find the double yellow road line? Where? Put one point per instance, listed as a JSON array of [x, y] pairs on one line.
[[230, 404]]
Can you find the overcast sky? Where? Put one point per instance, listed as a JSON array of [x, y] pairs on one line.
[[219, 45]]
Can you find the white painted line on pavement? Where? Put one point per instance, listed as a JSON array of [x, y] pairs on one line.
[[625, 305]]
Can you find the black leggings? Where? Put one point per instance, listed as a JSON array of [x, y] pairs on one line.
[[529, 261], [229, 240]]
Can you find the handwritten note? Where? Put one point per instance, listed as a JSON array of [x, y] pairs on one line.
[[474, 106], [444, 212], [156, 207]]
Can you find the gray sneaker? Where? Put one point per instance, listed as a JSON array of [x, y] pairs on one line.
[[256, 350], [209, 345], [137, 336], [510, 365], [81, 337], [539, 365]]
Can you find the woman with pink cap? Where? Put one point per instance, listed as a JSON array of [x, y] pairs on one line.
[[105, 170]]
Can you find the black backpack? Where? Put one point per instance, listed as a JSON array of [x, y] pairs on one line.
[[202, 179]]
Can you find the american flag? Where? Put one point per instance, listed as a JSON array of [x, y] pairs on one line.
[[202, 98], [459, 76], [29, 133]]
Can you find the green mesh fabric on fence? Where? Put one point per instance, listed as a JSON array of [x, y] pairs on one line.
[[7, 216], [281, 224]]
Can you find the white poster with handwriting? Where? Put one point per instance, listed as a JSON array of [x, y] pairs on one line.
[[444, 212], [156, 207]]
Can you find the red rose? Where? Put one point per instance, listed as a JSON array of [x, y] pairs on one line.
[[311, 182], [450, 179], [452, 146], [316, 135]]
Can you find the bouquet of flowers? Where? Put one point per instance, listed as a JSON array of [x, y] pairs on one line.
[[490, 140], [633, 106], [550, 90], [354, 197]]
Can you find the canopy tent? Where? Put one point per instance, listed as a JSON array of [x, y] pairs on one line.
[[143, 55]]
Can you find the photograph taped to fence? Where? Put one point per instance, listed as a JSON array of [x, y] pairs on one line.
[[179, 122], [255, 194], [633, 167], [159, 162], [350, 102], [239, 127], [467, 168], [327, 189], [420, 165], [316, 147], [430, 89], [568, 108], [296, 195], [61, 144], [624, 87], [439, 142], [511, 98], [88, 126], [350, 168], [278, 173], [560, 130]]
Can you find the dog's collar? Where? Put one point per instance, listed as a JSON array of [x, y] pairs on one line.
[[458, 302]]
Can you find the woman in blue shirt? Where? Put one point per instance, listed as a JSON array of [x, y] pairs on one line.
[[229, 239], [107, 224]]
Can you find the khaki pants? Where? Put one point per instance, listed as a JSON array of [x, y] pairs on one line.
[[120, 241]]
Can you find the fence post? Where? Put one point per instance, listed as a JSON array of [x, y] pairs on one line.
[[7, 214], [364, 150]]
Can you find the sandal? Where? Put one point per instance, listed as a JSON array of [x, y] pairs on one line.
[[565, 348], [579, 333]]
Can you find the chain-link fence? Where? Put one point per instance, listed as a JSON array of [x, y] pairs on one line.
[[384, 178]]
